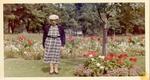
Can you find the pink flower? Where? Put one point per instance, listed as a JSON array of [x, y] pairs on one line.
[[71, 38], [22, 37], [93, 37]]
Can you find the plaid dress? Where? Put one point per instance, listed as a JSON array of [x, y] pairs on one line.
[[52, 46]]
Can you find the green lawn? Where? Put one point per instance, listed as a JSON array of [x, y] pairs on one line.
[[36, 68], [141, 62]]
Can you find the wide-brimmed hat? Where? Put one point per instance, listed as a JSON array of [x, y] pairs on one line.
[[53, 17]]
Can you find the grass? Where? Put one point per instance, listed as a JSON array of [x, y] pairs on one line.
[[36, 68], [141, 62], [15, 67]]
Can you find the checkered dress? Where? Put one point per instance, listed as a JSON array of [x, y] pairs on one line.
[[52, 46]]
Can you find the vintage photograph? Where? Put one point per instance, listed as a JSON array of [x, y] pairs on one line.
[[74, 39]]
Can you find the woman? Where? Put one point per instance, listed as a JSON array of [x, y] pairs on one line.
[[53, 43]]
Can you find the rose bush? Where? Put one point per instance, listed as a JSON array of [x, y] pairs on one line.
[[110, 65]]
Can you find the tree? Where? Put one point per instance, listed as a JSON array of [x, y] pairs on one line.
[[86, 16], [130, 15]]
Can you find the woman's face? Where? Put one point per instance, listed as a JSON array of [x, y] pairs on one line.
[[53, 22]]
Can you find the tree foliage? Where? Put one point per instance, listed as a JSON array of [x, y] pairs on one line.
[[78, 16]]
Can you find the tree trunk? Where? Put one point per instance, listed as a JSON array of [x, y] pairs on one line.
[[104, 46], [114, 35], [11, 26], [27, 25], [104, 20]]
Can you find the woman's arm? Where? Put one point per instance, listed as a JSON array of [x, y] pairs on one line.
[[63, 36], [44, 36]]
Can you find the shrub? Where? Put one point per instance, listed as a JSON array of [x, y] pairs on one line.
[[109, 65]]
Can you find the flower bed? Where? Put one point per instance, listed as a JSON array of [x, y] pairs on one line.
[[109, 65], [78, 46], [134, 46], [30, 47], [22, 46]]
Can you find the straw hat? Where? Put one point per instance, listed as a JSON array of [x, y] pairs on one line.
[[53, 17]]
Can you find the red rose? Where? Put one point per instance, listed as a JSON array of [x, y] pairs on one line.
[[110, 56], [120, 62], [133, 59], [29, 42], [123, 56]]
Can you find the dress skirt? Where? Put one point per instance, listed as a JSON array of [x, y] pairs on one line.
[[52, 47]]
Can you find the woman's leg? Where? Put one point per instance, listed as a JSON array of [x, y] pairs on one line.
[[56, 68], [51, 67]]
